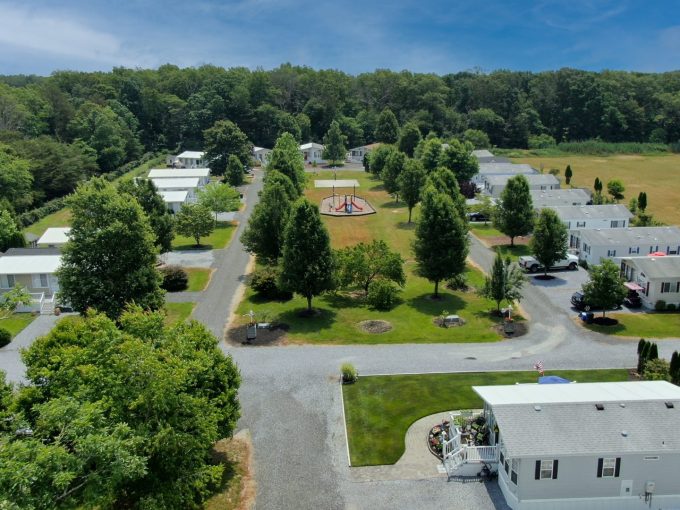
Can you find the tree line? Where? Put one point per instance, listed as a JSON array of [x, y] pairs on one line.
[[59, 130]]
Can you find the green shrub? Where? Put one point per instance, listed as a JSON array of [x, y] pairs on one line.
[[349, 373], [541, 142], [458, 282], [657, 370], [175, 278], [670, 307], [265, 280], [5, 337], [382, 294], [660, 305]]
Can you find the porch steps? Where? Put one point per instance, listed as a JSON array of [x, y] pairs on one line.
[[47, 307]]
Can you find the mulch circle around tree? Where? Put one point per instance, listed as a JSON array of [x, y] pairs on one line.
[[375, 326], [544, 277], [604, 321], [521, 328], [265, 336]]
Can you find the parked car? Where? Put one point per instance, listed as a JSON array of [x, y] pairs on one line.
[[529, 263], [632, 300], [477, 216], [580, 303]]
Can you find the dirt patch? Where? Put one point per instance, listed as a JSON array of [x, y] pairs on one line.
[[274, 335], [237, 491], [503, 240], [375, 326]]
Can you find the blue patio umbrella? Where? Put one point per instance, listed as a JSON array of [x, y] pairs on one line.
[[552, 379]]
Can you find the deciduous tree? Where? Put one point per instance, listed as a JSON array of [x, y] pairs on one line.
[[194, 220], [155, 208], [234, 173], [616, 188], [361, 264], [12, 299], [286, 158], [441, 243], [307, 263], [411, 182], [409, 138], [10, 235], [219, 198], [223, 139], [550, 239], [391, 172], [110, 259], [605, 289], [515, 211], [334, 144], [458, 158], [387, 130]]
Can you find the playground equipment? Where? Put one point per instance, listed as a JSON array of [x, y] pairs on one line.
[[344, 204]]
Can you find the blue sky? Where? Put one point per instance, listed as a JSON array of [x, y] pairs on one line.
[[354, 36]]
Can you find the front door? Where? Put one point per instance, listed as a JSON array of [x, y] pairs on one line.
[[626, 488]]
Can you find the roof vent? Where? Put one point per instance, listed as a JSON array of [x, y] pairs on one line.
[[599, 407], [670, 405], [622, 404], [624, 433], [537, 408]]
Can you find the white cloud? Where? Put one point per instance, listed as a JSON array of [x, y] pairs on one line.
[[61, 35]]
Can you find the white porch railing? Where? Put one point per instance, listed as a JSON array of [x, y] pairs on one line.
[[455, 453]]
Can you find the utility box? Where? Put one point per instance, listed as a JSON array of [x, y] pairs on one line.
[[251, 332], [452, 320], [650, 487]]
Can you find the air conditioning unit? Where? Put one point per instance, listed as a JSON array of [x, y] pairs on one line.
[[650, 487]]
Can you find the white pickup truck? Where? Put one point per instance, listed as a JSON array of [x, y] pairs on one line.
[[529, 263]]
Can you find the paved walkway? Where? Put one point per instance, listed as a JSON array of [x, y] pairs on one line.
[[10, 355]]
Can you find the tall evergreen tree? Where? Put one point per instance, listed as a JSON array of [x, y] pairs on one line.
[[642, 201], [387, 130], [411, 182], [505, 282], [568, 175], [409, 138], [274, 176], [110, 259], [441, 243], [334, 142], [515, 211], [234, 173], [307, 259], [287, 159], [550, 239]]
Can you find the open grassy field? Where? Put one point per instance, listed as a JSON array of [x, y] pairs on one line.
[[642, 325], [412, 319], [16, 322], [62, 218], [380, 409], [658, 175], [198, 278], [219, 238], [177, 312], [481, 230]]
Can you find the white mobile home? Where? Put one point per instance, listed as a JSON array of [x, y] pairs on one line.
[[356, 154], [559, 197], [494, 168], [577, 217], [188, 184], [203, 174], [261, 155], [599, 244], [495, 184], [188, 159], [33, 268], [656, 277], [174, 200], [312, 152], [580, 446], [54, 237]]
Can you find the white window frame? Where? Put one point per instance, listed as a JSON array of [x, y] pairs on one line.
[[546, 473], [665, 287], [609, 467], [514, 471], [5, 281]]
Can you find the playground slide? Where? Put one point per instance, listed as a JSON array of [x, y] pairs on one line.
[[341, 206], [354, 204]]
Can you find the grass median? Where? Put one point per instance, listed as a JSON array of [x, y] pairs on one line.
[[380, 409], [642, 325]]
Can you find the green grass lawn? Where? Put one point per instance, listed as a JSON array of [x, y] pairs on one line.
[[641, 325], [481, 230], [215, 241], [17, 322], [198, 278], [514, 252], [177, 312], [412, 319], [380, 409]]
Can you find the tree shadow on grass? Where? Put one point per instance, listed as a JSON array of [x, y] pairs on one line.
[[377, 187], [323, 319], [426, 304], [193, 247], [259, 299], [403, 225], [342, 300], [393, 205]]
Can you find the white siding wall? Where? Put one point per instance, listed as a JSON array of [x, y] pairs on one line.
[[596, 254], [592, 224]]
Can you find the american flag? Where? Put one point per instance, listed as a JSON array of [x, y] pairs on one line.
[[539, 366]]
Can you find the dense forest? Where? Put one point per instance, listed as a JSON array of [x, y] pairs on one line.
[[56, 131]]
